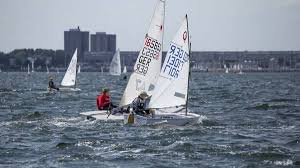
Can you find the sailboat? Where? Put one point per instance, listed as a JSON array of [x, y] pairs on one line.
[[146, 68], [47, 69], [28, 69], [115, 65], [240, 69], [78, 71], [226, 69], [101, 70], [57, 71], [69, 80], [170, 96], [124, 70]]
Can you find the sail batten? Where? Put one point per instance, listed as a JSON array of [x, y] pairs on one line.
[[148, 64], [70, 75]]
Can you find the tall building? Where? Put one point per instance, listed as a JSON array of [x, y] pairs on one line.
[[102, 42], [74, 38], [112, 40]]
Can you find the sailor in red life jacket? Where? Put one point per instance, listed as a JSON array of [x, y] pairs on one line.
[[103, 101]]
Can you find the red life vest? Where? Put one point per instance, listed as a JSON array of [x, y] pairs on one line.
[[103, 101]]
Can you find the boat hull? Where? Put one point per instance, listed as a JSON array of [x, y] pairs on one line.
[[178, 119], [102, 115], [69, 89]]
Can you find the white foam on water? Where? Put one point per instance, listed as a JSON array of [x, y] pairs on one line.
[[201, 118], [280, 163]]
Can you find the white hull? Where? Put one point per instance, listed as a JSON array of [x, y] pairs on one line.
[[177, 119], [69, 89], [102, 115]]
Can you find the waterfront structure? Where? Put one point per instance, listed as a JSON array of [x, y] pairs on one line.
[[75, 38], [102, 42], [215, 61]]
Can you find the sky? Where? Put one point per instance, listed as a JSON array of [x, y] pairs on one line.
[[215, 25]]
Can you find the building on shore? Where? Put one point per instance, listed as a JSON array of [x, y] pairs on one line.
[[102, 42], [75, 38]]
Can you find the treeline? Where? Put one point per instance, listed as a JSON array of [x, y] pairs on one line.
[[19, 58]]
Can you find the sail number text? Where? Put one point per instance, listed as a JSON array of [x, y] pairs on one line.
[[150, 51], [176, 57]]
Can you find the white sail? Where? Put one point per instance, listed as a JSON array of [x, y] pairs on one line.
[[57, 71], [79, 70], [148, 63], [70, 76], [115, 65], [172, 84], [124, 70], [28, 69], [101, 69], [47, 69]]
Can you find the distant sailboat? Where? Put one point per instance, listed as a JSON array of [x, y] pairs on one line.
[[240, 69], [47, 69], [124, 70], [78, 71], [57, 71], [226, 69], [69, 79], [115, 65], [101, 69], [28, 69]]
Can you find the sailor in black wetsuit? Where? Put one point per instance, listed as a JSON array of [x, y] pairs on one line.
[[139, 104], [51, 85]]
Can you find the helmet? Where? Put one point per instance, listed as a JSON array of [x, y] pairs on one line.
[[105, 90], [143, 94]]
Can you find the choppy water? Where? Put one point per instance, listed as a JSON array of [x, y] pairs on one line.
[[250, 120]]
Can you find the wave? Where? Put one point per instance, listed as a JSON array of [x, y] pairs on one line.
[[293, 142], [287, 162], [63, 145], [267, 106], [283, 100]]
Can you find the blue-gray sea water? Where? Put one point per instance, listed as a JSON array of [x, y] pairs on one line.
[[249, 120]]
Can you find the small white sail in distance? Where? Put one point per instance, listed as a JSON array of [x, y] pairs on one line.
[[28, 69], [47, 69], [115, 65], [172, 85], [124, 70], [70, 75], [148, 63], [79, 70]]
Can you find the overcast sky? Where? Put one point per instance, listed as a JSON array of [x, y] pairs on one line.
[[215, 25]]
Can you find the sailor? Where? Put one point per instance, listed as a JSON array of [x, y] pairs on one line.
[[139, 104], [51, 85], [103, 100]]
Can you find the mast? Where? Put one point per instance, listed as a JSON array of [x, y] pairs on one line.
[[76, 78], [190, 45]]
